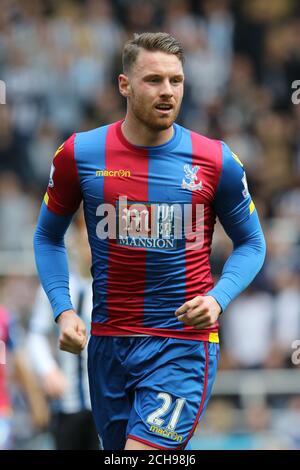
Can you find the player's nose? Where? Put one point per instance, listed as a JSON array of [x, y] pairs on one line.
[[166, 89]]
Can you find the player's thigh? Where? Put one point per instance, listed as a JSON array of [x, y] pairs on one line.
[[173, 395], [137, 445], [109, 400]]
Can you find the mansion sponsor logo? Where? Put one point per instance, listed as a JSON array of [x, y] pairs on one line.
[[144, 225], [156, 225]]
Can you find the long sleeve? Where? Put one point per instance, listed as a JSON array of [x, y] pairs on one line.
[[51, 259], [61, 200], [238, 216]]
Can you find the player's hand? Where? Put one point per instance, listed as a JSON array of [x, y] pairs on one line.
[[200, 312], [73, 337]]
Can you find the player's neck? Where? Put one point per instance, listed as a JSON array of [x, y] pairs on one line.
[[137, 134]]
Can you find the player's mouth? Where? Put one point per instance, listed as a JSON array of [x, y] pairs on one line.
[[164, 108]]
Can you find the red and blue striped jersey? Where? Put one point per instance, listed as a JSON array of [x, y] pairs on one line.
[[141, 205]]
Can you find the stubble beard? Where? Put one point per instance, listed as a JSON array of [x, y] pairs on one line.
[[147, 119]]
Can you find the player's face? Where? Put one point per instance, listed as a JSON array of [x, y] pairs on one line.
[[155, 89]]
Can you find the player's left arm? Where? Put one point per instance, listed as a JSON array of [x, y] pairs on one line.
[[238, 216]]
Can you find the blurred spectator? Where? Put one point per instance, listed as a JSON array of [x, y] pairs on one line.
[[16, 360], [287, 311], [288, 423], [39, 151], [16, 214], [63, 376], [247, 330]]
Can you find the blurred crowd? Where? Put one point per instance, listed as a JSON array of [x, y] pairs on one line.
[[60, 61]]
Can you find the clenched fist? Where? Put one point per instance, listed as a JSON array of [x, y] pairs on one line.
[[73, 336], [200, 312]]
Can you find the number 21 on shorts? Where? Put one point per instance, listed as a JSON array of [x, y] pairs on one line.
[[155, 418]]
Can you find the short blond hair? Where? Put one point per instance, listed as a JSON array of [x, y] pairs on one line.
[[151, 42]]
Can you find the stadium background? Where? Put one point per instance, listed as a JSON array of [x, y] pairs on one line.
[[59, 61]]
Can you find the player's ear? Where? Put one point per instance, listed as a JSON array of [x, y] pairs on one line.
[[124, 85]]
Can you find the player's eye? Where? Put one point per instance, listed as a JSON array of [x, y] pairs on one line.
[[152, 79], [176, 80]]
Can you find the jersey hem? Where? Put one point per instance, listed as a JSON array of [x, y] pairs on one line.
[[102, 329]]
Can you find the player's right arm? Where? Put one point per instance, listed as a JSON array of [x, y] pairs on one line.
[[61, 201]]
